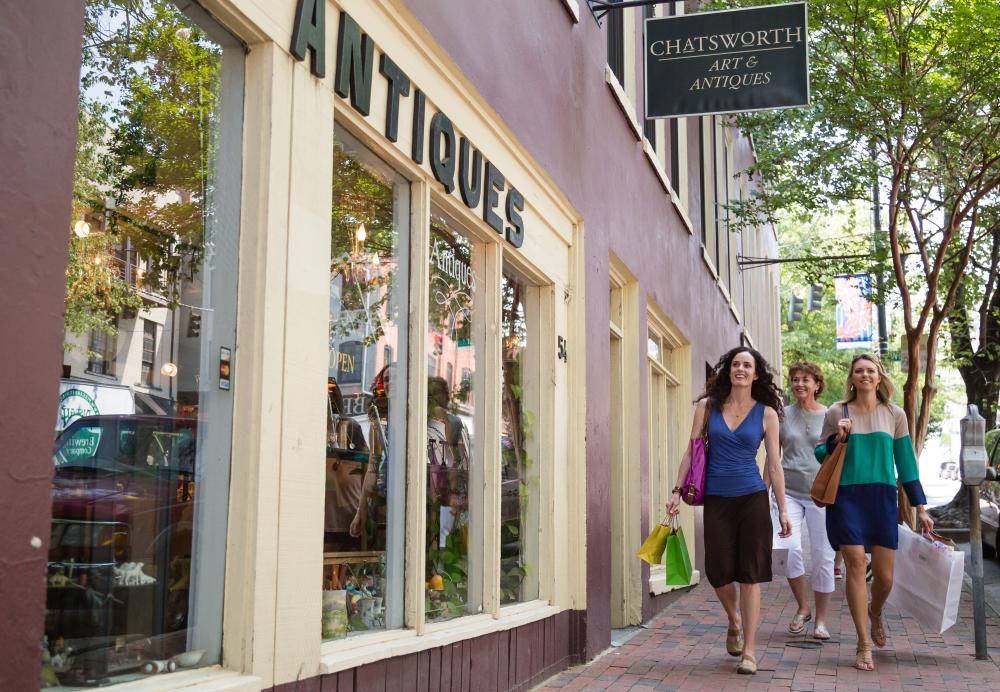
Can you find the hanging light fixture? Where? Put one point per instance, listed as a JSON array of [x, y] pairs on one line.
[[168, 369], [81, 228]]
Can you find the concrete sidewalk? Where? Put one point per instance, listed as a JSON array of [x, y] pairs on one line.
[[684, 649]]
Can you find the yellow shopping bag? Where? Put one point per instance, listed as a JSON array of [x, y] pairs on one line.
[[652, 548]]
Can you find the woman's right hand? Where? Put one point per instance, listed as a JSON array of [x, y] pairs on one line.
[[843, 429], [674, 505]]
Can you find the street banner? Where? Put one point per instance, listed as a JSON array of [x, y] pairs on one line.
[[728, 61], [854, 310]]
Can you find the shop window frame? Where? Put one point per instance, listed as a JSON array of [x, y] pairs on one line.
[[341, 654]]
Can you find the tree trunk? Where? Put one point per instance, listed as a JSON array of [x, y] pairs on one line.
[[955, 514]]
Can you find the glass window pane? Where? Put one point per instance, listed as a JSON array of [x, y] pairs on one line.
[[365, 451], [140, 492], [519, 498], [454, 499]]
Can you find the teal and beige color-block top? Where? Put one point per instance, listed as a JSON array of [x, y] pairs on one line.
[[879, 451]]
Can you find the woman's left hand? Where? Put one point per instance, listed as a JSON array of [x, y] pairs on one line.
[[786, 526], [926, 523]]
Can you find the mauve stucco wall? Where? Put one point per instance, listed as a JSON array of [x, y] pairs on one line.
[[39, 71], [544, 75]]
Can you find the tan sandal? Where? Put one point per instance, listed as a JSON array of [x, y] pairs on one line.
[[878, 628], [747, 666], [734, 642], [798, 623], [863, 658]]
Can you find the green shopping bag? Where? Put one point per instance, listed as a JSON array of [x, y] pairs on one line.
[[676, 558]]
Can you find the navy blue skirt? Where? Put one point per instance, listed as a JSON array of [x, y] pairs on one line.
[[863, 515]]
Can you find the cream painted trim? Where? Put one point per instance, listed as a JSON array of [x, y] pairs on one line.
[[210, 679], [628, 472], [623, 101], [654, 161], [708, 263], [682, 211], [682, 164], [736, 313], [493, 364], [334, 658], [252, 540], [571, 528], [416, 433], [303, 401], [725, 292], [573, 7], [750, 340], [660, 587], [628, 48]]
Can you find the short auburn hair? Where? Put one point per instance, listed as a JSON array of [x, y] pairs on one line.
[[807, 367]]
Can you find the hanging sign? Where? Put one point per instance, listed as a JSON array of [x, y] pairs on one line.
[[854, 311], [730, 61]]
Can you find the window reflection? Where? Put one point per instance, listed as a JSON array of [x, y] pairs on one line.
[[362, 553], [143, 431], [454, 512], [519, 473]]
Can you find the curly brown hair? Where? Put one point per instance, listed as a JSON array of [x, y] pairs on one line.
[[763, 389], [807, 367]]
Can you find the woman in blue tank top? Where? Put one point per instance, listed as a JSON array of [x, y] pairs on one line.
[[741, 408]]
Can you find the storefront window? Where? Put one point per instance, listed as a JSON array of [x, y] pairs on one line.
[[365, 451], [140, 492], [454, 471], [518, 452]]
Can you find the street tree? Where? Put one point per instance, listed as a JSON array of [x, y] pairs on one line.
[[903, 92]]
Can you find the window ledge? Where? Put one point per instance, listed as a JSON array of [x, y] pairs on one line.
[[659, 587], [708, 263], [623, 101], [214, 678], [654, 161], [682, 212], [573, 7], [357, 651]]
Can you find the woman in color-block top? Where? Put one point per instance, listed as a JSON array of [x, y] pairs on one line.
[[741, 408], [864, 517]]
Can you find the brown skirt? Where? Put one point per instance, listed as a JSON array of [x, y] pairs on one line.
[[738, 539]]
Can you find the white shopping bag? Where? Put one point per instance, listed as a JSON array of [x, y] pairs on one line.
[[927, 581], [779, 562]]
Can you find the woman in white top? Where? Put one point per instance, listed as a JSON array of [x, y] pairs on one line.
[[799, 434]]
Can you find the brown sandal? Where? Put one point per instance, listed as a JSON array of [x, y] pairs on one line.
[[863, 658], [878, 628], [734, 642]]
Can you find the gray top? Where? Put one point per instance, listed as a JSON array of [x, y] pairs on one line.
[[799, 435]]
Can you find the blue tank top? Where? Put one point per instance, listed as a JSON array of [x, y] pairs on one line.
[[732, 454]]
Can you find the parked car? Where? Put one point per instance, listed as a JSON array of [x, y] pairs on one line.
[[120, 551], [949, 471], [989, 510]]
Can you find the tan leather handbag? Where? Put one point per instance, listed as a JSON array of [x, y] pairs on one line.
[[824, 487]]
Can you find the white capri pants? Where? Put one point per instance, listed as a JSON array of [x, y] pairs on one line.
[[805, 512]]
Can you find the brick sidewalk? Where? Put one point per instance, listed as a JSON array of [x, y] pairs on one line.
[[684, 649]]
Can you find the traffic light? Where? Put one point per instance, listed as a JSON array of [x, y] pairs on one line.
[[795, 309], [815, 297], [194, 325]]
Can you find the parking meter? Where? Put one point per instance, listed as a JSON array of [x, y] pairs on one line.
[[973, 461]]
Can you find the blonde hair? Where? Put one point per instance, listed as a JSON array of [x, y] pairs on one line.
[[885, 388]]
